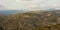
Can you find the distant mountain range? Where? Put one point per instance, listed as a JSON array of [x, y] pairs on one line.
[[5, 12]]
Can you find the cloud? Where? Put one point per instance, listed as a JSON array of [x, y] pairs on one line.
[[8, 4], [27, 4], [39, 4], [50, 3], [30, 4], [26, 0]]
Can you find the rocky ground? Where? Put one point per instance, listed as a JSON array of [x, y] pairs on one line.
[[37, 20]]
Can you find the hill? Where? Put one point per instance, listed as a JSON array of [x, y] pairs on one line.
[[34, 20]]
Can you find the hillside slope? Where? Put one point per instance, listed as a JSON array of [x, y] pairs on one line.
[[31, 21]]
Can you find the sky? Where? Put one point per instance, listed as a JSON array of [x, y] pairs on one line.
[[29, 4]]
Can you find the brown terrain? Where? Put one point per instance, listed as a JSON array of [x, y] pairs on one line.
[[34, 20]]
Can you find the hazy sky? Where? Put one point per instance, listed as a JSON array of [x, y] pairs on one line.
[[29, 4]]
